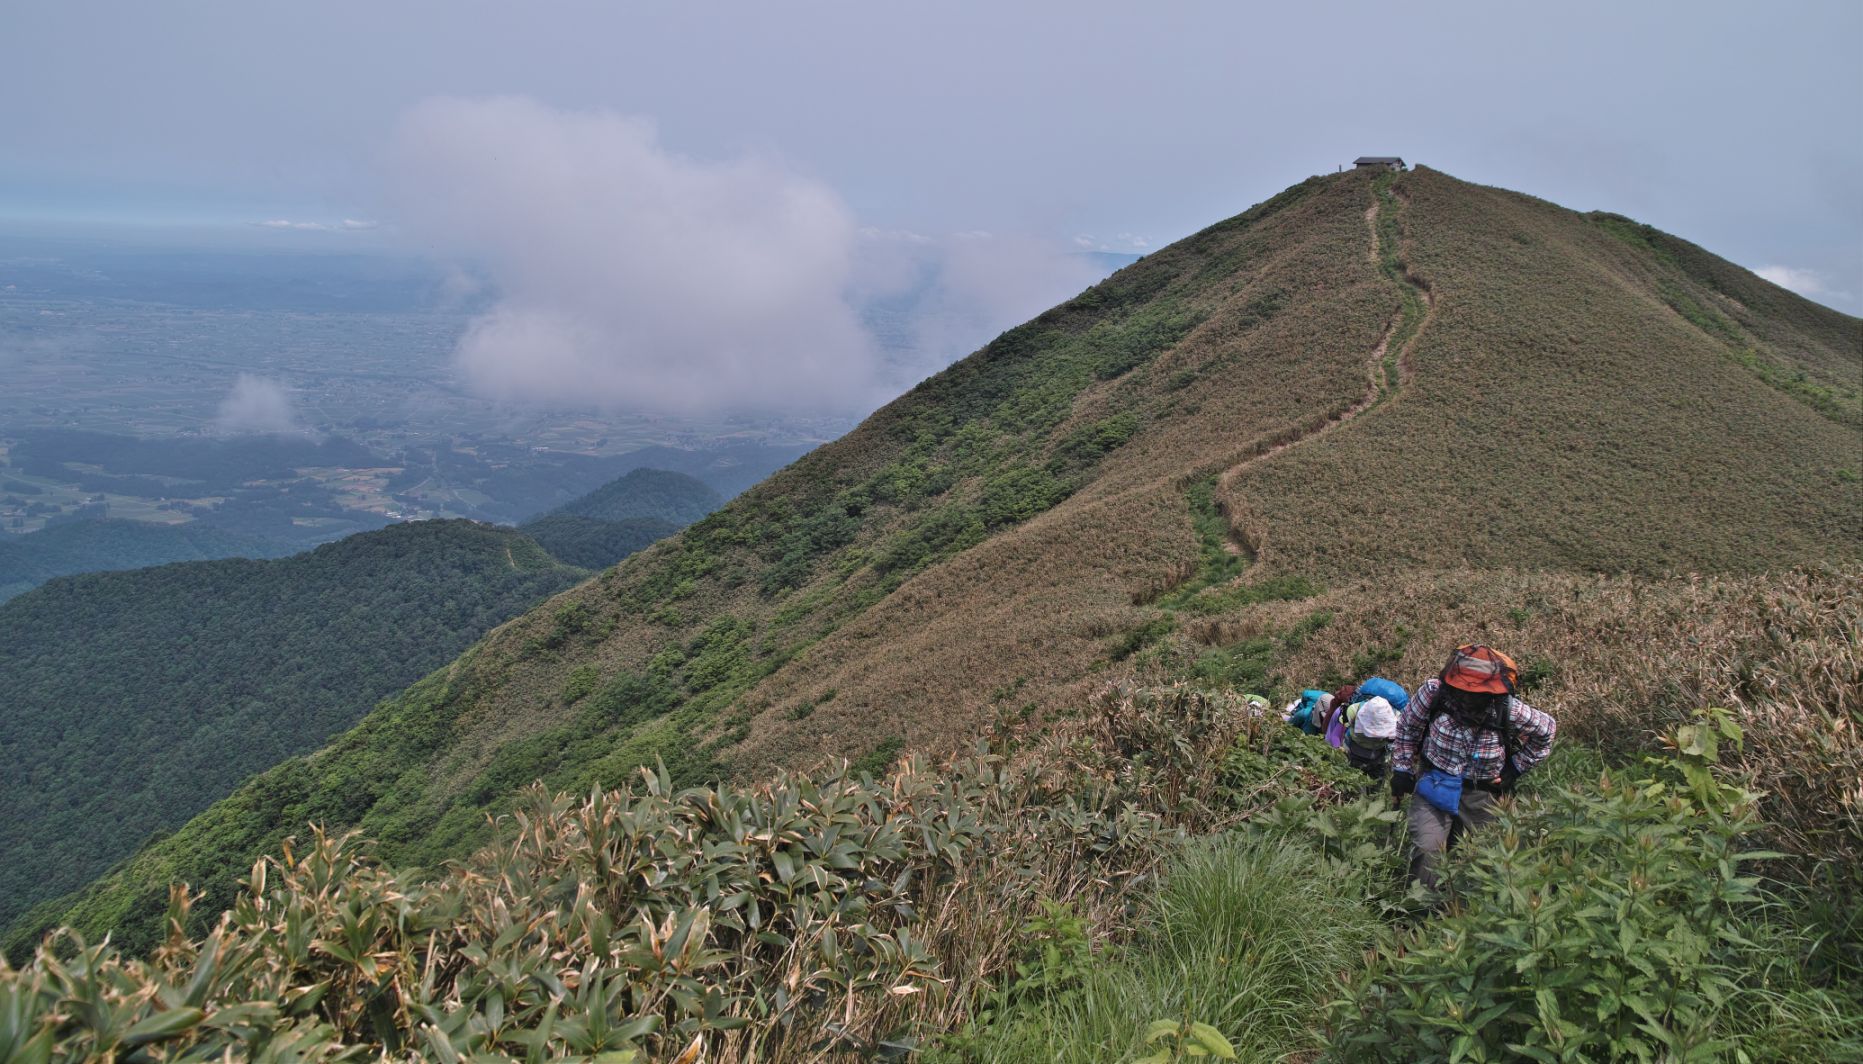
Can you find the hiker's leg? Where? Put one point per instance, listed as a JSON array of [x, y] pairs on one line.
[[1477, 812], [1429, 837]]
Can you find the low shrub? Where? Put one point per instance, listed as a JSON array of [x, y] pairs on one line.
[[799, 918], [1618, 921]]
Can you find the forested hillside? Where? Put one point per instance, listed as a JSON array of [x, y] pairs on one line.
[[87, 546], [1362, 380], [133, 700], [621, 517], [591, 543], [647, 493]]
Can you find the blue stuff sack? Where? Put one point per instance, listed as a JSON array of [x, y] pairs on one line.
[[1379, 687], [1441, 789]]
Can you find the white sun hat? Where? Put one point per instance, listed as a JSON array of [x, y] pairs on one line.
[[1376, 720]]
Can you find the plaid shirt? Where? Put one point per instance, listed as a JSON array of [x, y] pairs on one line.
[[1475, 753]]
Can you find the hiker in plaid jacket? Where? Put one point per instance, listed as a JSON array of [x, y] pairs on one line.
[[1473, 752], [1467, 727]]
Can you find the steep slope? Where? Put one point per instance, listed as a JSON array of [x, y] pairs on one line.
[[1323, 382], [1586, 394], [133, 700], [106, 545], [1039, 903]]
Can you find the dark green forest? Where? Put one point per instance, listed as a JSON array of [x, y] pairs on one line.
[[91, 546], [134, 700], [625, 515], [647, 493], [595, 544]]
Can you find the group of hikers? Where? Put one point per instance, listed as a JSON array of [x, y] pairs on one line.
[[1454, 746]]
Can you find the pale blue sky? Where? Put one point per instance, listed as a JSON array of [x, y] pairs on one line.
[[1733, 125]]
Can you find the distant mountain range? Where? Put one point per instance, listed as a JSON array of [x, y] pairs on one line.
[[266, 509]]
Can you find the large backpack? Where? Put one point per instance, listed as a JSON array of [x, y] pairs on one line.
[[1376, 687], [1302, 711]]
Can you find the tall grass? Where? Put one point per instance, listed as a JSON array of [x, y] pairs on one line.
[[1245, 934]]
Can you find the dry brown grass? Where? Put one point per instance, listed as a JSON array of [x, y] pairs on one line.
[[1562, 414], [1621, 660]]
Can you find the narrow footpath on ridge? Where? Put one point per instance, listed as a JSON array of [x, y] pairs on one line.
[[1386, 370]]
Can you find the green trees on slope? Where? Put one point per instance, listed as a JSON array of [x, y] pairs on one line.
[[647, 493], [96, 545], [592, 543], [135, 699], [625, 515]]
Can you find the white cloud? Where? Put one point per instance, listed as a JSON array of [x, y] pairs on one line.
[[954, 294], [628, 275], [617, 273], [1124, 243], [346, 225], [257, 405], [1808, 283]]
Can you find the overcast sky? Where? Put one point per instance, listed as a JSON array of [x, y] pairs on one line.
[[835, 125]]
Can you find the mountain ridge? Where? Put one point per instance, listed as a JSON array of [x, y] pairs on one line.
[[659, 494], [625, 515], [1111, 482]]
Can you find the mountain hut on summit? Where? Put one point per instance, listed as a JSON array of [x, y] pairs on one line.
[[1378, 162]]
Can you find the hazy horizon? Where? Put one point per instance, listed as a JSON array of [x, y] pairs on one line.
[[680, 211]]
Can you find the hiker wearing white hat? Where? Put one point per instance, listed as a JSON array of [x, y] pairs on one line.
[[1370, 727]]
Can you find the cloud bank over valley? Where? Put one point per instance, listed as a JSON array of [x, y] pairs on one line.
[[630, 276]]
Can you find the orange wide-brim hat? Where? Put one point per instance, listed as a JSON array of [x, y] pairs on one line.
[[1480, 668]]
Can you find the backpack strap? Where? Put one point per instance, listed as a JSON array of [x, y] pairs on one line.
[[1505, 726], [1507, 732], [1507, 722]]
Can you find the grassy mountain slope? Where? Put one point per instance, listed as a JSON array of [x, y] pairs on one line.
[[1302, 383], [134, 700], [1578, 400], [1041, 904], [99, 545]]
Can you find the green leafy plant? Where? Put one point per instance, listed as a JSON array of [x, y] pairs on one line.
[[1182, 1039], [1607, 922]]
